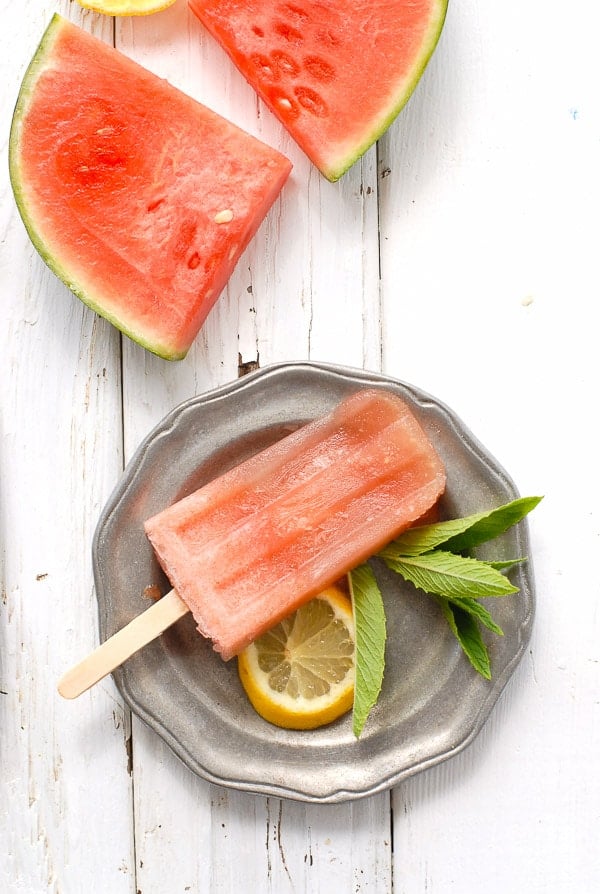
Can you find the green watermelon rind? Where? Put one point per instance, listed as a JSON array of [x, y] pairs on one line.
[[37, 66], [402, 97]]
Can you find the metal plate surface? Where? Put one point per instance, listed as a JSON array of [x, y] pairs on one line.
[[432, 703]]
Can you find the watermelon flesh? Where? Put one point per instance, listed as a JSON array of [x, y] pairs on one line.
[[139, 198], [251, 546], [336, 74]]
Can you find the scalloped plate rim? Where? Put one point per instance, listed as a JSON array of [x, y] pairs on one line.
[[135, 468]]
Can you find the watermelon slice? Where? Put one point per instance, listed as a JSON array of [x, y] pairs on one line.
[[336, 74], [139, 198]]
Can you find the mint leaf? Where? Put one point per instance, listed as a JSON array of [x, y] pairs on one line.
[[370, 636], [458, 535], [493, 524], [506, 564], [445, 574], [480, 612], [465, 629]]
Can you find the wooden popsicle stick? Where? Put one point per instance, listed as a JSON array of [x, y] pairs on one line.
[[113, 651]]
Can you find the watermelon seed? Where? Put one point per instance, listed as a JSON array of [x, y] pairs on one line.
[[258, 31], [193, 261], [311, 101], [295, 12], [263, 64], [152, 206], [288, 33], [319, 68], [224, 216], [285, 63]]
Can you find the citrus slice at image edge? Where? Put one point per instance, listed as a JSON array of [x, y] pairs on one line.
[[300, 673], [126, 7]]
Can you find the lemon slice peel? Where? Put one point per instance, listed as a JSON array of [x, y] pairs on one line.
[[126, 7]]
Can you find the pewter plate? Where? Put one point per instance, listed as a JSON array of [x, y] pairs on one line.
[[432, 703]]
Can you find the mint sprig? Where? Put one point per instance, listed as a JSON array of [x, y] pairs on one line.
[[457, 581]]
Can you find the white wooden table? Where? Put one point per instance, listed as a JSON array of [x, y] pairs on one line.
[[460, 255]]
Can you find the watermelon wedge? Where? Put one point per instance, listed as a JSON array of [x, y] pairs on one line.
[[336, 74], [139, 198]]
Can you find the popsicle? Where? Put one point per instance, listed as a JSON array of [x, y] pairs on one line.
[[249, 547]]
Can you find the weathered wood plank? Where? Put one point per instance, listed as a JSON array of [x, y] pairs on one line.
[[65, 782]]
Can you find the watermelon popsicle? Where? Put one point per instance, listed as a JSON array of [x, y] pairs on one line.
[[248, 548]]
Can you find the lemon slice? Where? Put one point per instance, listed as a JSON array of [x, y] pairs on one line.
[[300, 674], [126, 7]]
